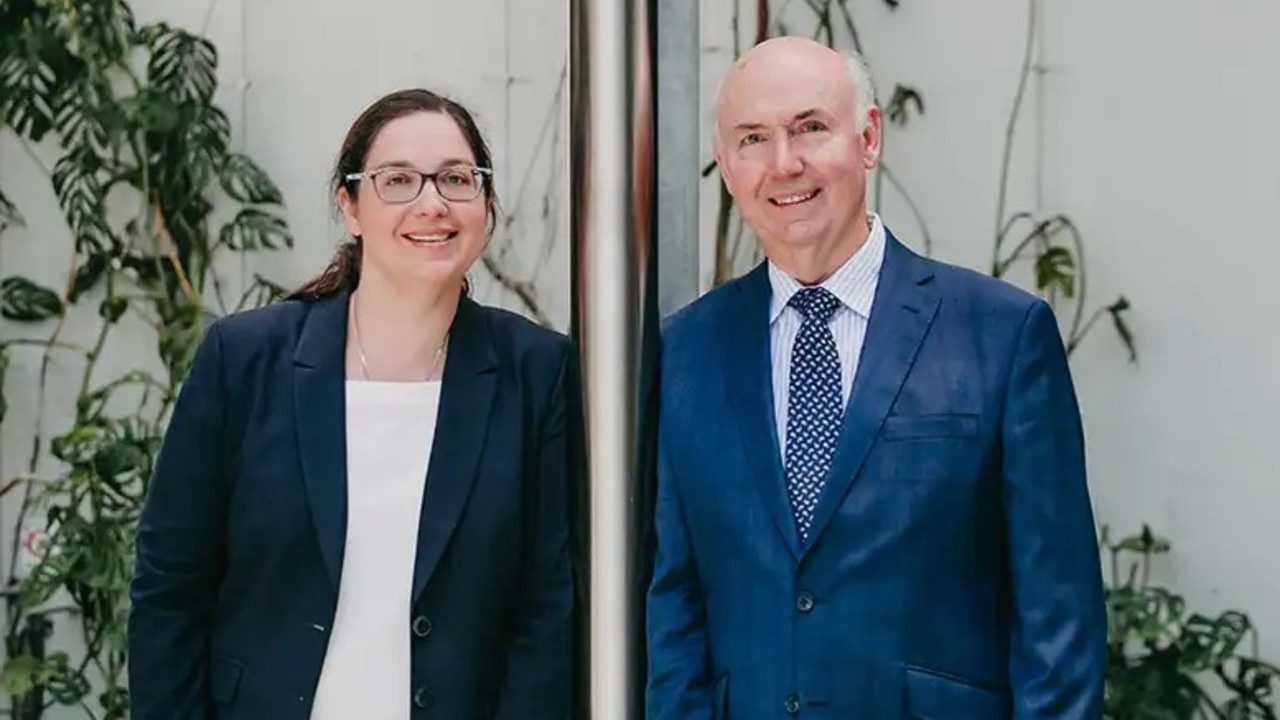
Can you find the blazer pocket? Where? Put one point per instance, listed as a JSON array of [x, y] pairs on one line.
[[936, 696], [919, 427], [224, 679], [721, 699]]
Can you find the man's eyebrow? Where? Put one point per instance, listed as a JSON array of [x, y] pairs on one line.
[[802, 115]]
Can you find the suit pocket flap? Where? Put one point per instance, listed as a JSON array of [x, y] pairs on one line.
[[224, 679], [932, 696], [906, 427]]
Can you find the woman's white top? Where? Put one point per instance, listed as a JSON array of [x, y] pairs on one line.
[[366, 672]]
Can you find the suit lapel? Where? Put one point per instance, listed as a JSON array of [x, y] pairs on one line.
[[750, 381], [466, 398], [904, 308], [320, 410]]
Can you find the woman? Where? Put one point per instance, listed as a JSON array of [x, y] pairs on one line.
[[359, 509]]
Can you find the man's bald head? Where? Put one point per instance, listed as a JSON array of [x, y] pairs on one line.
[[799, 56]]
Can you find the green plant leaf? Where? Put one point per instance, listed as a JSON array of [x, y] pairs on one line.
[[1117, 310], [24, 301], [254, 229], [27, 85], [898, 109], [1145, 542], [182, 65], [75, 180], [112, 309], [261, 292], [1055, 268], [103, 31], [65, 684], [1207, 642], [21, 674], [80, 112], [245, 182], [89, 274], [9, 214]]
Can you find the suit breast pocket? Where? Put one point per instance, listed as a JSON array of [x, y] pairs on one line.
[[934, 426], [928, 447]]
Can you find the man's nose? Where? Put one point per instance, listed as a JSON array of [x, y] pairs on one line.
[[786, 160]]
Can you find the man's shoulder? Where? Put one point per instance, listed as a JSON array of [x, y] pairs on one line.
[[698, 322], [980, 292]]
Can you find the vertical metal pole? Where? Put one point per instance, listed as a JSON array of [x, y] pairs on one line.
[[611, 118], [680, 154]]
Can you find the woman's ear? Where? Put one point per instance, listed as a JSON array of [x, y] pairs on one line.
[[350, 217]]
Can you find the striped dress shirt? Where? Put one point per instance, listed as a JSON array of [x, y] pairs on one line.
[[854, 284]]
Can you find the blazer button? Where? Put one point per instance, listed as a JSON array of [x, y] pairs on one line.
[[422, 698], [422, 626], [793, 704], [804, 602]]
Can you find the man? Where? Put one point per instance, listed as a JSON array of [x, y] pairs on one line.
[[871, 497]]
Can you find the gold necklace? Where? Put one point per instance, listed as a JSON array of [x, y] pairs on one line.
[[364, 364]]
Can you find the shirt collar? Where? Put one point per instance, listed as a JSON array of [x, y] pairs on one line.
[[853, 283]]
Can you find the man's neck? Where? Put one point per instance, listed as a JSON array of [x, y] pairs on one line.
[[813, 265]]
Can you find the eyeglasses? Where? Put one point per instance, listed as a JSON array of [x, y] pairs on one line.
[[403, 185]]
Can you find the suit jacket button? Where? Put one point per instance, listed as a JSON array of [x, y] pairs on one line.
[[422, 626], [804, 602], [422, 698], [793, 704]]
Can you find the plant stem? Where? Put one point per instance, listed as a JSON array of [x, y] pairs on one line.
[[1011, 127]]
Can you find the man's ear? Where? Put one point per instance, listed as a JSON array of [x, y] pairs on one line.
[[871, 137], [726, 173], [350, 217]]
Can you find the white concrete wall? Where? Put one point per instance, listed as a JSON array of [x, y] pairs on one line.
[[1156, 122]]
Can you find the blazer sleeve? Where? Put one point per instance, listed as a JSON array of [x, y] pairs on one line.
[[537, 684], [1059, 655], [179, 555], [679, 682]]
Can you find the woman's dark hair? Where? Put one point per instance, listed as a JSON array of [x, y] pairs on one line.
[[343, 272]]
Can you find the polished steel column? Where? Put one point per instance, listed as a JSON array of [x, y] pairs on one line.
[[680, 152], [611, 118]]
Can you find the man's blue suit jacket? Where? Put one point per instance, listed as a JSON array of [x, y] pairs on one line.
[[240, 544], [952, 571]]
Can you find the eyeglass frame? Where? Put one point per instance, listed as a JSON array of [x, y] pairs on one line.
[[482, 172]]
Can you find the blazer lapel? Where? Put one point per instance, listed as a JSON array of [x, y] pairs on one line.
[[462, 425], [750, 381], [319, 407], [904, 308]]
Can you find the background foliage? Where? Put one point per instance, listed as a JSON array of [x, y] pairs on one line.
[[153, 194]]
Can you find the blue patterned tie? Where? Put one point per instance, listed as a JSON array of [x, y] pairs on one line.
[[813, 404]]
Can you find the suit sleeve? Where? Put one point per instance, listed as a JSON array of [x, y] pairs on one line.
[[679, 682], [1058, 657], [179, 554], [537, 684]]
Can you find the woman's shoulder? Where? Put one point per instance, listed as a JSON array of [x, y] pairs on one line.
[[530, 346], [521, 333], [277, 321]]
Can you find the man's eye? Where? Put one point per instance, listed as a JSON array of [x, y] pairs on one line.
[[752, 138], [812, 126]]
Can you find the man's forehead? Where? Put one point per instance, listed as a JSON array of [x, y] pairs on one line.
[[761, 98]]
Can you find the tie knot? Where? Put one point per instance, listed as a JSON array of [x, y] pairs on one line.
[[815, 303]]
